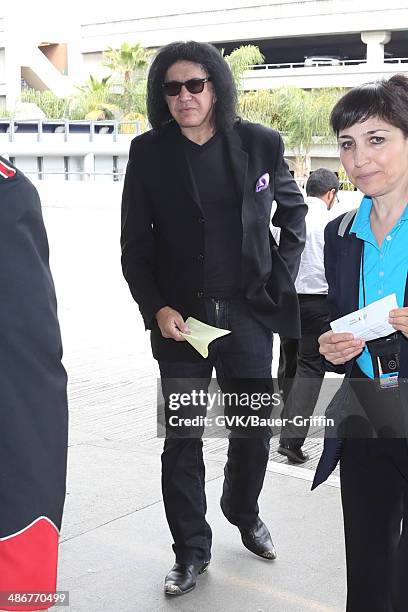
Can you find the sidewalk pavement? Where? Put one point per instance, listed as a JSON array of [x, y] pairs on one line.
[[115, 544]]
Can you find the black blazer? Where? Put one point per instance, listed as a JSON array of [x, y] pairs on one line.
[[163, 231], [342, 256]]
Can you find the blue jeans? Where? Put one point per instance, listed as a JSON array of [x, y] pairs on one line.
[[241, 359]]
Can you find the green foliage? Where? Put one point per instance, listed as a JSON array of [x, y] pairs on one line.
[[126, 60], [134, 97], [5, 113], [241, 59], [97, 100], [53, 106], [261, 107], [104, 111], [302, 115], [93, 85], [112, 97], [344, 181], [306, 115], [131, 128], [129, 63]]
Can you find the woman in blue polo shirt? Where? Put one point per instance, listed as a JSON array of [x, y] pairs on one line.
[[366, 261]]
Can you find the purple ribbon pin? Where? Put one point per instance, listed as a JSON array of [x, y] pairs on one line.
[[262, 183]]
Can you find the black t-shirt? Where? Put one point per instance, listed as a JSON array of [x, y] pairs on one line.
[[212, 177]]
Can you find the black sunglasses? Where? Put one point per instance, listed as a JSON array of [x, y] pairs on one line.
[[194, 86]]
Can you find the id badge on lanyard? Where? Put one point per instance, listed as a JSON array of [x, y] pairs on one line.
[[385, 357], [384, 352]]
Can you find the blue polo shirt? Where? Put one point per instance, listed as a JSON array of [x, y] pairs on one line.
[[385, 267]]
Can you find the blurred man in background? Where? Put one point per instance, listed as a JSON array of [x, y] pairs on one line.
[[301, 371]]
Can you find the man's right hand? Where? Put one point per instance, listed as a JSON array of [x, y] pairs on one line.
[[170, 323], [339, 348]]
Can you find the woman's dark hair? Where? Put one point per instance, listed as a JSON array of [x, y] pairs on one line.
[[387, 99], [213, 63]]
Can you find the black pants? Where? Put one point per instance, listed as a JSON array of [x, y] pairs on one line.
[[302, 372], [288, 359], [245, 354], [374, 490]]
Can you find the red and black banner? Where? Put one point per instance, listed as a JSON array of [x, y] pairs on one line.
[[33, 400]]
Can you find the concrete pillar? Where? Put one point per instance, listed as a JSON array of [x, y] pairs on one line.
[[375, 42], [89, 166], [12, 65]]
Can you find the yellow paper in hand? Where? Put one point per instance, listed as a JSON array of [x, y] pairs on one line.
[[202, 334]]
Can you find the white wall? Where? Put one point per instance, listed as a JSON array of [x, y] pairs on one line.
[[257, 19], [109, 195], [3, 85], [320, 76], [79, 195]]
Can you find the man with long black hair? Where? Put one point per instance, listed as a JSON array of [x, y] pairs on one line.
[[196, 242]]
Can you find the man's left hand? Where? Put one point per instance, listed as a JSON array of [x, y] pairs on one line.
[[399, 320]]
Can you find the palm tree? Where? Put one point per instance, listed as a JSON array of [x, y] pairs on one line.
[[241, 59], [94, 86], [129, 62], [305, 117], [302, 115], [261, 107], [96, 99], [126, 60]]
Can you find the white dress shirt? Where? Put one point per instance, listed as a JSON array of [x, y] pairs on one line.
[[311, 278]]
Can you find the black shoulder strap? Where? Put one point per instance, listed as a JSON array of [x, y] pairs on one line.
[[346, 220]]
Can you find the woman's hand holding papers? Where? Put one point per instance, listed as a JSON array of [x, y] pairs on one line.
[[339, 347], [171, 323], [399, 320]]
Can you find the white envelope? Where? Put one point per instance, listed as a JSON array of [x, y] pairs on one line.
[[370, 322]]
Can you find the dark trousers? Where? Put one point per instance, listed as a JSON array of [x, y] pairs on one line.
[[244, 354], [374, 490], [302, 371], [288, 359]]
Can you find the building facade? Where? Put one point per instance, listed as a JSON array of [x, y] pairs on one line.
[[306, 43]]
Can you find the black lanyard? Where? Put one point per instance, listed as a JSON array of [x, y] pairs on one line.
[[362, 274]]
